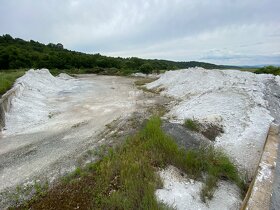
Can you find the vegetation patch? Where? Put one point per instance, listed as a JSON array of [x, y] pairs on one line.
[[17, 53], [126, 177], [269, 70], [144, 81], [192, 124], [7, 79], [209, 130]]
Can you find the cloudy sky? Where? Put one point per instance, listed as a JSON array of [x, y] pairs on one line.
[[241, 32]]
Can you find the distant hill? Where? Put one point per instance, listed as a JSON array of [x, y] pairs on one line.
[[16, 53]]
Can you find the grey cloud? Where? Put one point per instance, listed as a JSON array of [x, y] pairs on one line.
[[178, 29]]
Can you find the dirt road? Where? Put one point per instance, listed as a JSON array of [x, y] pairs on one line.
[[50, 148]]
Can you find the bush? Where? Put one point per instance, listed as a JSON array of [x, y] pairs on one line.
[[146, 68]]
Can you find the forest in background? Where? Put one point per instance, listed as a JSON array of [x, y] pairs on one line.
[[16, 53]]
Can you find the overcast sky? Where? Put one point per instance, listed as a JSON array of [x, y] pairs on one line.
[[241, 32]]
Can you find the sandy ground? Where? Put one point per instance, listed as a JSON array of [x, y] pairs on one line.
[[52, 122]]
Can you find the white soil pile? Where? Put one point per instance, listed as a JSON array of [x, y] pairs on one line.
[[30, 105], [54, 122], [182, 193], [231, 98]]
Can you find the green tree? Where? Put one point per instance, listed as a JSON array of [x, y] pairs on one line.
[[146, 68]]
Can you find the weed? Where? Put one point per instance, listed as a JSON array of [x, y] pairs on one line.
[[192, 124], [209, 130], [41, 188]]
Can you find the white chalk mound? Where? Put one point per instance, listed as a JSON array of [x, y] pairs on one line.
[[231, 98], [29, 106], [234, 98], [184, 194]]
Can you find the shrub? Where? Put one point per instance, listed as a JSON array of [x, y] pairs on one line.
[[192, 124]]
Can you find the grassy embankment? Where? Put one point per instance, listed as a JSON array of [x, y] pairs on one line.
[[7, 79], [126, 178]]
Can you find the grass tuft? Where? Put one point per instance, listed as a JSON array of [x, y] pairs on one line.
[[192, 124]]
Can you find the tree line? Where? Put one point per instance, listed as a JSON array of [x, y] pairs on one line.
[[16, 53], [275, 70]]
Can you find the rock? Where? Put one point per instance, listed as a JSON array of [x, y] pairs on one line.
[[184, 137]]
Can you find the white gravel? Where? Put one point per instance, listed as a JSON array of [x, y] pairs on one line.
[[184, 194], [232, 98], [30, 106]]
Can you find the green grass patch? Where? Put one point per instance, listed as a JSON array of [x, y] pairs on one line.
[[192, 124], [7, 79], [126, 178]]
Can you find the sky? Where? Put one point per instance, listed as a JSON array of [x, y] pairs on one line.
[[234, 32]]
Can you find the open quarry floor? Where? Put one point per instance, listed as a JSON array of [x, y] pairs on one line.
[[54, 123]]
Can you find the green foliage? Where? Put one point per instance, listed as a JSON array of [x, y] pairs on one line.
[[269, 70], [16, 53], [8, 78], [126, 178], [146, 68], [191, 124]]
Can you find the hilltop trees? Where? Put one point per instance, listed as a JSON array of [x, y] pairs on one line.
[[16, 53]]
